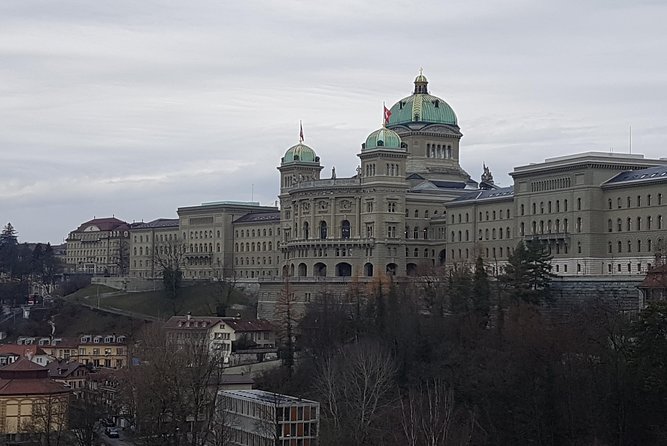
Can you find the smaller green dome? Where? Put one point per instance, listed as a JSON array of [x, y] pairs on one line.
[[383, 138], [300, 153]]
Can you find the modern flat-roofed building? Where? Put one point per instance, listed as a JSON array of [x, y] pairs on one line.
[[261, 418]]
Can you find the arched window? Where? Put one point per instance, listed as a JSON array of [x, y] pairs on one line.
[[323, 229], [345, 229]]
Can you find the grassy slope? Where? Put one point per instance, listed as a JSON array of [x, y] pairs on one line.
[[200, 300]]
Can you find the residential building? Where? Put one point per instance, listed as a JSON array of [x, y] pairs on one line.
[[108, 351], [32, 352], [71, 373], [220, 334], [260, 418]]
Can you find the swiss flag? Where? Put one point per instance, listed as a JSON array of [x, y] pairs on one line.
[[387, 115]]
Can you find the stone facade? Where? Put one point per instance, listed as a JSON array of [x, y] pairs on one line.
[[411, 209], [599, 214]]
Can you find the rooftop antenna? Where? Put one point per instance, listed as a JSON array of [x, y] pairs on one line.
[[252, 192], [630, 142]]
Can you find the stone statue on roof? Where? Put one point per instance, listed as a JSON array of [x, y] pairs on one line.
[[487, 177]]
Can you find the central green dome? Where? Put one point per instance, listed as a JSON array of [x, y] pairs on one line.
[[383, 138], [300, 153], [422, 107]]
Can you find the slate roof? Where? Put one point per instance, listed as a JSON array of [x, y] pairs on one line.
[[250, 325], [651, 174], [501, 192], [194, 323], [159, 223], [259, 217], [63, 369]]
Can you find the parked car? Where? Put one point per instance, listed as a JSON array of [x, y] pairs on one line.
[[111, 432]]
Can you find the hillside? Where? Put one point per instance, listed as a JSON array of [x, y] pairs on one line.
[[199, 300]]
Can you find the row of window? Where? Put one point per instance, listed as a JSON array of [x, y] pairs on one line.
[[549, 208], [161, 237], [425, 214], [489, 253], [250, 246], [266, 260], [200, 234], [439, 151], [648, 224], [490, 216], [252, 233], [638, 201], [548, 228], [640, 246]]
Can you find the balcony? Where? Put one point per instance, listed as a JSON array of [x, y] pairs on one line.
[[334, 182], [315, 242]]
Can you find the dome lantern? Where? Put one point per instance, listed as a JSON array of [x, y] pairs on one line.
[[422, 107], [421, 83]]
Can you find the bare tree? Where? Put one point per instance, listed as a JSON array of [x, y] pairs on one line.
[[48, 421], [168, 261], [286, 316], [173, 393], [84, 415], [355, 388], [429, 416]]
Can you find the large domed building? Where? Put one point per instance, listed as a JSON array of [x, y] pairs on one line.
[[410, 208], [388, 219]]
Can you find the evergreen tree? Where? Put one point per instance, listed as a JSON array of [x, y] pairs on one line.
[[460, 290], [8, 250], [527, 275], [481, 289]]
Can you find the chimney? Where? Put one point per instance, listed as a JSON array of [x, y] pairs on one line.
[[189, 315]]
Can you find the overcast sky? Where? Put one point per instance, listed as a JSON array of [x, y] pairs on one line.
[[135, 108]]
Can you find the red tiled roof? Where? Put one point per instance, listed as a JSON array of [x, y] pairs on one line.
[[23, 364], [105, 224], [22, 350], [655, 278], [31, 387]]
